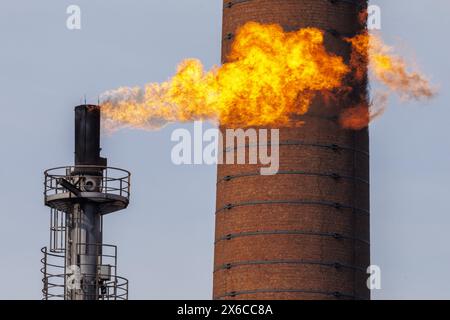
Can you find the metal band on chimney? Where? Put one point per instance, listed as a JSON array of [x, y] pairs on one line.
[[333, 175], [335, 265], [335, 205], [335, 33], [359, 3], [331, 146], [335, 235], [230, 4], [336, 294]]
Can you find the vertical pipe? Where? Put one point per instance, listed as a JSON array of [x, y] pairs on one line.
[[84, 239], [84, 223]]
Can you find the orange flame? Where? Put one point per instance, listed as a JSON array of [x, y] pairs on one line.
[[271, 76], [355, 117], [390, 70], [359, 117]]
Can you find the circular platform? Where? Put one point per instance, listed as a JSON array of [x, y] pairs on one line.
[[66, 186]]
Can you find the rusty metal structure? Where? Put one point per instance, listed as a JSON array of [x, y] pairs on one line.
[[78, 265], [302, 233]]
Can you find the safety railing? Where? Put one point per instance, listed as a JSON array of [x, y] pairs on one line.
[[108, 180], [61, 281]]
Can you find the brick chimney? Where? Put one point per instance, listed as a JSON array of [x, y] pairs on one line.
[[304, 232]]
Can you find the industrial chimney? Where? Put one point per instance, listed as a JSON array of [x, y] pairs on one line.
[[77, 265], [304, 232]]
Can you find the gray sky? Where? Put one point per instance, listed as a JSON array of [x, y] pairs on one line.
[[165, 238]]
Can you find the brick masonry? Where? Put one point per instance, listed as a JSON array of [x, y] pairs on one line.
[[304, 233]]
